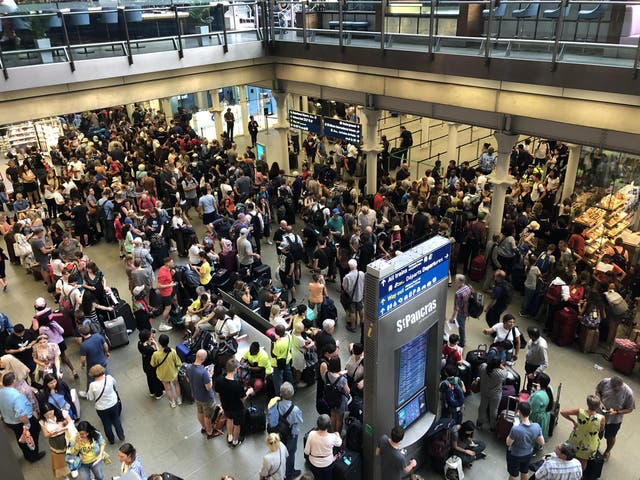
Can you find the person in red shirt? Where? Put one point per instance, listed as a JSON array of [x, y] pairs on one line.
[[452, 348], [576, 241], [165, 286]]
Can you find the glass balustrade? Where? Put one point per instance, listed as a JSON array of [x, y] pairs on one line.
[[604, 33]]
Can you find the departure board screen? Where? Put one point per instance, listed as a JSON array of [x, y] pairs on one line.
[[412, 368], [305, 121], [348, 131], [412, 411]]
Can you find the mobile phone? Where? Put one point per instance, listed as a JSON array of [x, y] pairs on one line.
[[347, 461]]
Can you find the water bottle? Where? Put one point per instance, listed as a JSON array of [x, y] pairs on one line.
[[598, 367]]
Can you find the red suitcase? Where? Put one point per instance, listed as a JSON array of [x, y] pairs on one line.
[[505, 419], [65, 321], [625, 353], [565, 324], [477, 269]]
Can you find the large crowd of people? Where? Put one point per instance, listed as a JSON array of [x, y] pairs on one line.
[[149, 184]]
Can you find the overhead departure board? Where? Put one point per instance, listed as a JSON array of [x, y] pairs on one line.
[[412, 368], [348, 131], [305, 121]]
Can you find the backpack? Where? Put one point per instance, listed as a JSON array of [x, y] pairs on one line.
[[459, 227], [591, 319], [328, 310], [65, 303], [353, 438], [616, 302], [453, 395], [256, 224], [282, 426], [295, 247], [543, 262], [332, 394], [318, 217], [554, 294], [475, 307], [618, 259]]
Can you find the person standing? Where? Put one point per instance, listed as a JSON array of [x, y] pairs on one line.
[[492, 376], [562, 465], [41, 253], [588, 428], [541, 403], [319, 448], [232, 394], [393, 459], [537, 357], [500, 298], [353, 287], [461, 306], [202, 392], [93, 351], [617, 399], [17, 413], [506, 330], [166, 363], [130, 461], [207, 207], [281, 406], [147, 346], [281, 357], [253, 130], [230, 119], [165, 286], [54, 426], [108, 406], [520, 443], [274, 462]]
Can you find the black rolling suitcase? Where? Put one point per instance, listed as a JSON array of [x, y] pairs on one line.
[[116, 332], [261, 271], [123, 309], [513, 379], [348, 466], [255, 420], [183, 381], [477, 357], [464, 373], [594, 467]]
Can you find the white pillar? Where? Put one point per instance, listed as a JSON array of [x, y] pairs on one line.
[[425, 123], [500, 180], [452, 142], [277, 143], [244, 113], [370, 145], [572, 170], [165, 106], [130, 109], [304, 103], [216, 110], [202, 102]]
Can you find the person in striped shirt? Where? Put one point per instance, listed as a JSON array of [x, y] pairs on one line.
[[561, 465]]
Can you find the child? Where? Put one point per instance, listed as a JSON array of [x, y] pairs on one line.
[[3, 276]]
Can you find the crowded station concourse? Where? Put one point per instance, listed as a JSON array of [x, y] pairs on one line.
[[121, 252]]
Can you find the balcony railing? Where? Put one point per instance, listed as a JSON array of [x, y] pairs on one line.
[[605, 33]]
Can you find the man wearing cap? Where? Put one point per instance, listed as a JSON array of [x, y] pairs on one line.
[[353, 291], [336, 224], [41, 253], [245, 250]]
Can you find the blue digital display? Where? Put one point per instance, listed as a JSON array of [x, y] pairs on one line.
[[408, 282], [412, 368], [260, 150], [348, 131], [412, 411]]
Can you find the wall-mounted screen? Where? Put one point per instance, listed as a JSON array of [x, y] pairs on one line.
[[412, 411]]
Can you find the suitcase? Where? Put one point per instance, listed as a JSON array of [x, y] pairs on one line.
[[220, 277], [348, 466], [588, 339], [594, 467], [513, 379], [65, 321], [565, 324], [255, 420], [505, 419], [185, 387], [475, 358], [464, 373], [184, 352], [624, 355], [438, 442], [507, 392], [555, 412], [123, 309], [477, 269], [261, 271], [116, 331], [155, 299]]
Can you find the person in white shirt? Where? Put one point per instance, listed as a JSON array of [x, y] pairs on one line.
[[506, 330], [537, 357], [319, 448]]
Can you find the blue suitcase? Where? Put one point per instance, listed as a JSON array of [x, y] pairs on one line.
[[184, 352]]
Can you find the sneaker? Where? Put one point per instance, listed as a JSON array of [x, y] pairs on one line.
[[82, 394], [172, 404], [179, 401], [229, 438], [236, 444], [158, 397], [165, 327], [302, 385], [269, 242], [152, 395], [173, 249]]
